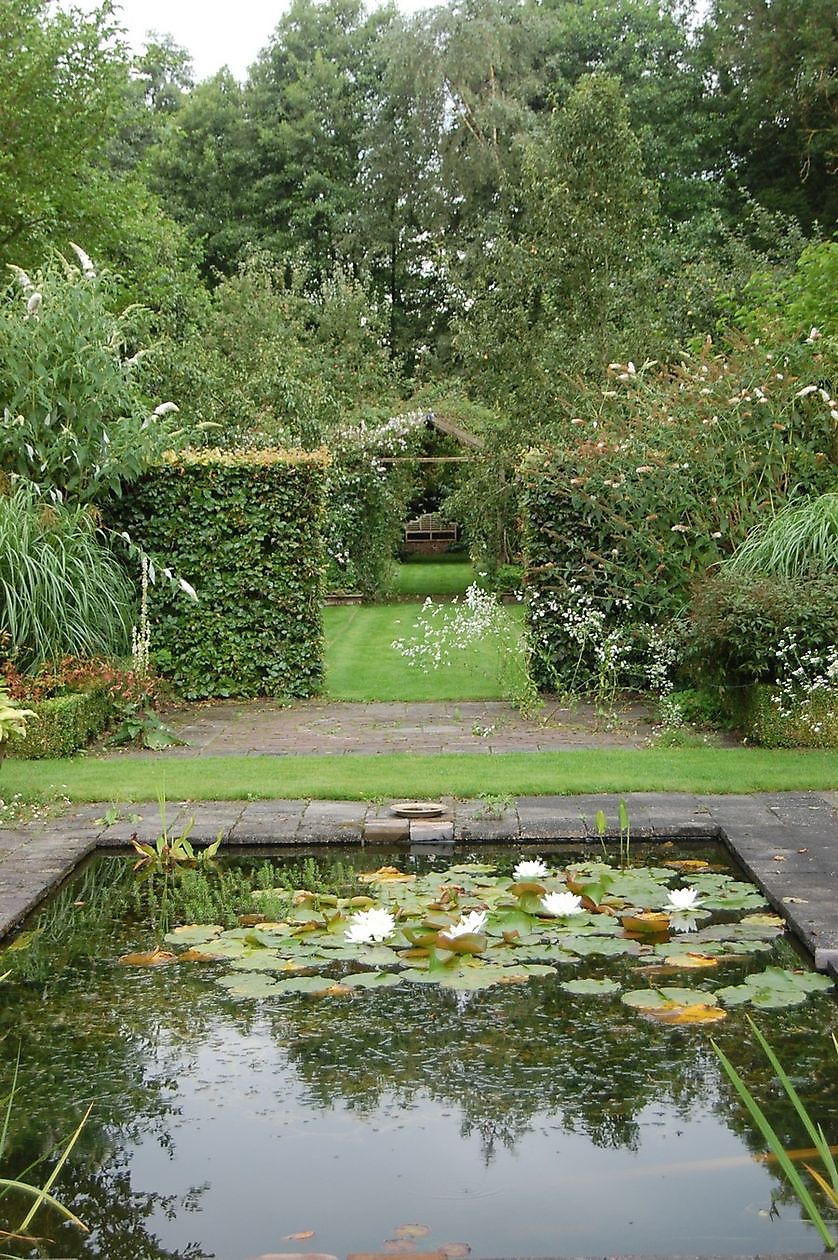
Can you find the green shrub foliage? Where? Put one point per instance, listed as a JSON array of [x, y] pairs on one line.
[[660, 475], [245, 529], [63, 724], [737, 621]]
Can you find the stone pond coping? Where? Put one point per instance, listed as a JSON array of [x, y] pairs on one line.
[[787, 842]]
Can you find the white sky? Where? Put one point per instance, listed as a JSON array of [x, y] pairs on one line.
[[217, 33]]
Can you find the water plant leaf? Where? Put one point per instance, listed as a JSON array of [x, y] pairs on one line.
[[607, 946], [304, 984], [148, 958], [646, 922], [418, 975], [454, 1251], [691, 961], [666, 996], [372, 980], [264, 961], [249, 984], [411, 1231], [195, 955], [700, 1013], [193, 934], [596, 988], [775, 988], [472, 868], [386, 875]]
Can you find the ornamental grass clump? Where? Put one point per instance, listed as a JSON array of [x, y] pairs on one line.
[[62, 592]]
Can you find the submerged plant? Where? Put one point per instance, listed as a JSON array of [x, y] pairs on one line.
[[815, 1131]]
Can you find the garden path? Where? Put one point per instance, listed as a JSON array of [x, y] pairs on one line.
[[236, 727]]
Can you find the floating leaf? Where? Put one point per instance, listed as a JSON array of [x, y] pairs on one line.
[[646, 922], [193, 934], [301, 1234], [775, 988], [386, 875], [372, 980], [411, 1231], [303, 984], [149, 958], [596, 988], [454, 1251], [416, 975], [607, 946], [249, 984], [688, 864], [666, 996], [700, 1013], [472, 868], [263, 961], [691, 961], [195, 955]]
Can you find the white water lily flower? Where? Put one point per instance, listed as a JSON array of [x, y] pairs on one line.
[[468, 923], [370, 925], [683, 899], [680, 922], [562, 904], [535, 869]]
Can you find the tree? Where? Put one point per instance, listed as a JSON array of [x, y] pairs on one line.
[[201, 169], [60, 96], [771, 65], [308, 101], [559, 290]]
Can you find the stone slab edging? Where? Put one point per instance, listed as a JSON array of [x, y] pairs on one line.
[[787, 842]]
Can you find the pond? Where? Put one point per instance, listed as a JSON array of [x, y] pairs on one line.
[[236, 1117]]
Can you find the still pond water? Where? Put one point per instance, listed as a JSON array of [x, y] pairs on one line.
[[519, 1120]]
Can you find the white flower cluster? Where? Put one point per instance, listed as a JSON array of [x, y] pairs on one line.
[[443, 630], [806, 687], [382, 440]]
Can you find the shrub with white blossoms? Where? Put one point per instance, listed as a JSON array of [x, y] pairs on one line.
[[443, 632], [599, 651], [806, 687]]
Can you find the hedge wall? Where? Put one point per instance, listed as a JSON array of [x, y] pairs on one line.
[[62, 724], [245, 530]]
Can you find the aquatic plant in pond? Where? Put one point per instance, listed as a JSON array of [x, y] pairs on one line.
[[229, 1111], [469, 928]]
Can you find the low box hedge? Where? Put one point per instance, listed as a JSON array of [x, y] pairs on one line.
[[764, 724], [62, 725]]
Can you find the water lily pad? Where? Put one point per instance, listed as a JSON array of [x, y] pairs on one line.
[[267, 962], [775, 988], [373, 980], [411, 1231], [196, 955], [666, 997], [472, 868], [418, 975], [193, 934], [148, 958], [691, 961], [595, 988], [606, 946], [699, 1013], [250, 984], [303, 984], [386, 875]]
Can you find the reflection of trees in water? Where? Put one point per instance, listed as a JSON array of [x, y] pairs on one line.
[[115, 1213], [500, 1060]]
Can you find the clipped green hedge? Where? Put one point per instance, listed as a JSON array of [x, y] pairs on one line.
[[245, 530], [763, 724], [62, 725]]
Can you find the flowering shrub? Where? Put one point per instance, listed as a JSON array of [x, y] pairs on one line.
[[663, 471], [366, 501], [444, 631], [805, 691]]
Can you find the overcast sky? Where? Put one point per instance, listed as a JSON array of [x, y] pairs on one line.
[[218, 33]]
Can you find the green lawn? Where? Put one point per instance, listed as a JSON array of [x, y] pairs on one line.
[[706, 770], [361, 663], [450, 575]]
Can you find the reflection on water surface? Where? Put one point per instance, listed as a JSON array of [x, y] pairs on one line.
[[520, 1120]]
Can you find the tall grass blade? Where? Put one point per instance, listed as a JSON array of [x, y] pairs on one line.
[[775, 1145], [43, 1194]]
